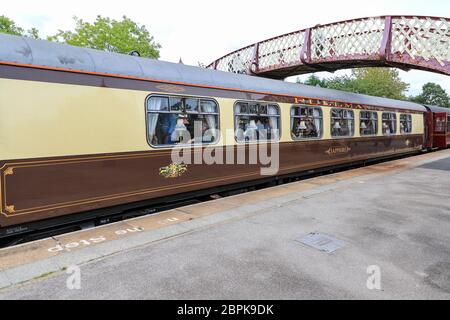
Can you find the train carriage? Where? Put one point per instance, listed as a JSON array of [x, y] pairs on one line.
[[438, 120], [85, 132]]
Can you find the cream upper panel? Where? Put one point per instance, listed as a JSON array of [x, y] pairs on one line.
[[40, 119], [418, 124]]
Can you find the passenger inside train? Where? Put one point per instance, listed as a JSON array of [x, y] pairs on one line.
[[305, 129], [175, 120], [306, 122], [256, 122], [342, 123], [389, 124]]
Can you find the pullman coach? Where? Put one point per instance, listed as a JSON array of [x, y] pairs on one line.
[[86, 133], [438, 122]]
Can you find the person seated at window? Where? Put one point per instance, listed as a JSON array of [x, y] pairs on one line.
[[206, 134], [181, 134], [251, 131], [167, 124], [260, 125], [299, 129], [311, 130], [367, 127]]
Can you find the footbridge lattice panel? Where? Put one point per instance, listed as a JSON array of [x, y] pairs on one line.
[[406, 42]]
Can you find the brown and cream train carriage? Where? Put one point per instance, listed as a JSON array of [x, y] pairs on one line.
[[438, 123], [83, 130]]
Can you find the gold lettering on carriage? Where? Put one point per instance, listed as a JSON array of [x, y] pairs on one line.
[[338, 150], [170, 88]]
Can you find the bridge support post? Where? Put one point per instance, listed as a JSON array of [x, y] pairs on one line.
[[305, 53], [254, 66], [386, 43]]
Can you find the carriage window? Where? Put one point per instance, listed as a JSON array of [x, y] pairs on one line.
[[368, 123], [448, 123], [389, 123], [306, 122], [256, 121], [179, 120], [405, 123], [342, 123], [440, 124]]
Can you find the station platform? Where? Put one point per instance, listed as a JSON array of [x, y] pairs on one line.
[[393, 217]]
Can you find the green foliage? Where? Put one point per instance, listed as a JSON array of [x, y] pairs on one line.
[[315, 81], [9, 26], [380, 82], [33, 33], [111, 35], [433, 94]]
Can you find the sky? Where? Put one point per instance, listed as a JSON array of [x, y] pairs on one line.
[[202, 31]]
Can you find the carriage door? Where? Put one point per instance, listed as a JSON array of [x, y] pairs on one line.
[[439, 130]]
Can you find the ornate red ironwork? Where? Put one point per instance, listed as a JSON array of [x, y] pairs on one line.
[[405, 42]]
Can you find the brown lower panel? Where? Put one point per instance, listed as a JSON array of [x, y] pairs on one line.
[[34, 189]]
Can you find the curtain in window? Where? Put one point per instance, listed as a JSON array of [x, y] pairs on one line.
[[293, 120], [351, 123], [210, 118], [154, 104], [273, 121], [374, 127], [350, 127], [317, 121]]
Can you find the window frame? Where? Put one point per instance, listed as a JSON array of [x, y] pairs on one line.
[[279, 116], [409, 119], [377, 122], [168, 96], [300, 106], [396, 123], [352, 135], [448, 123]]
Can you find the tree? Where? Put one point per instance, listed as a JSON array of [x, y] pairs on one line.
[[33, 33], [380, 82], [111, 35], [315, 81], [9, 26], [433, 94]]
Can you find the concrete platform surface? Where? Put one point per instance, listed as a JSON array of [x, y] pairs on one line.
[[393, 220]]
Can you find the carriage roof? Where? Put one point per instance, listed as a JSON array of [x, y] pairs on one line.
[[41, 53]]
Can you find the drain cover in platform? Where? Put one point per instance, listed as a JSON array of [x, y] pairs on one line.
[[322, 242]]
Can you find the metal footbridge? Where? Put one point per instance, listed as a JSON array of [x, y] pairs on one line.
[[405, 42]]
